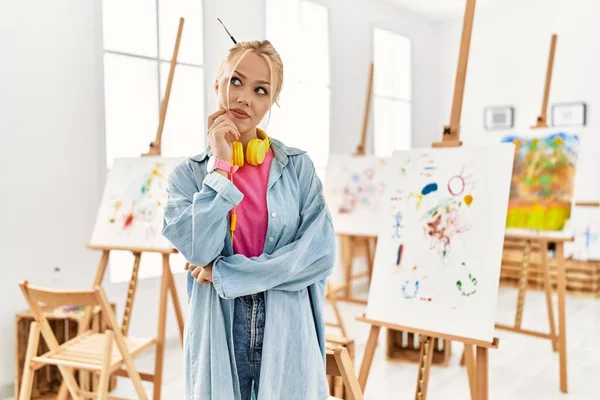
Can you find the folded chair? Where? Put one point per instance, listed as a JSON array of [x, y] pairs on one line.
[[338, 363], [102, 353]]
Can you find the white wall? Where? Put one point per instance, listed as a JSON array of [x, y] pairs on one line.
[[351, 47], [52, 161], [508, 61]]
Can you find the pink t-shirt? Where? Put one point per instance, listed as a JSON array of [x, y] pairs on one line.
[[252, 217]]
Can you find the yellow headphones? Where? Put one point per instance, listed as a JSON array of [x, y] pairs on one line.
[[256, 150]]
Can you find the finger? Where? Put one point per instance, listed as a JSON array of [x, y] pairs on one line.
[[228, 128], [213, 116], [196, 272]]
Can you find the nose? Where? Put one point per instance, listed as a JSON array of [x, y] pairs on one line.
[[242, 100]]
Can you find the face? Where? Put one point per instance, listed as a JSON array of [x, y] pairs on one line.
[[249, 91]]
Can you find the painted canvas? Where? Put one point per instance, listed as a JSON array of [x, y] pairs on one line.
[[543, 179], [131, 210], [354, 188], [439, 252], [584, 225]]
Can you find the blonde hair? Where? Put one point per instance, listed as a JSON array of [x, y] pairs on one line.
[[263, 48]]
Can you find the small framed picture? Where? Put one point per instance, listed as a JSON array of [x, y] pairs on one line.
[[569, 114], [498, 117]]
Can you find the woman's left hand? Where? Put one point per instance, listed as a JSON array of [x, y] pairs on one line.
[[201, 274]]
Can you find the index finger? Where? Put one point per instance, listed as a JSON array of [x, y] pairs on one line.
[[213, 116]]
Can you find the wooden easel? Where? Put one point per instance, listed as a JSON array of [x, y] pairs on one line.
[[167, 281], [558, 339], [477, 366], [353, 245]]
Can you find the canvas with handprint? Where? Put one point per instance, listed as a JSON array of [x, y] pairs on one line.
[[543, 179], [132, 205], [354, 188], [439, 251]]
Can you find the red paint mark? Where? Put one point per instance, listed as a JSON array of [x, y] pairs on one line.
[[425, 298], [129, 217]]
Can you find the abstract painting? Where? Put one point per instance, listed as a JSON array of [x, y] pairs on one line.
[[584, 225], [131, 210], [439, 251], [543, 179], [354, 188]]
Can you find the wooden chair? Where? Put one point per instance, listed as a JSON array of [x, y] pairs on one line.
[[338, 363], [88, 351]]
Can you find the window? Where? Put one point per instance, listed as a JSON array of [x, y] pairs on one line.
[[391, 92], [139, 39], [300, 33]]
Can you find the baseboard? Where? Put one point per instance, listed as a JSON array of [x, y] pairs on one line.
[[7, 391]]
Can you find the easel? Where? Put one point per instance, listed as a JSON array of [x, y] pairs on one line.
[[350, 244], [558, 339], [167, 283], [477, 368]]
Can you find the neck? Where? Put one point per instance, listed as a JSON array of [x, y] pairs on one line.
[[247, 136]]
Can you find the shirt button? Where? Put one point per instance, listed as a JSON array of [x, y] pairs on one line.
[[271, 239], [274, 214]]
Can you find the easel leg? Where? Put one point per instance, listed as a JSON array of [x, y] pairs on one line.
[[548, 291], [131, 293], [176, 303], [367, 360], [160, 337], [562, 327], [469, 358], [481, 371], [338, 316], [424, 367], [348, 258], [523, 284]]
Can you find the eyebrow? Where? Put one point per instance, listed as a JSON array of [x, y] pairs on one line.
[[244, 76]]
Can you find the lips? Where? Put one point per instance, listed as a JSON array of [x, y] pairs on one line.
[[239, 113]]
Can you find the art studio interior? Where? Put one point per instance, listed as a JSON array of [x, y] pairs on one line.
[[300, 199]]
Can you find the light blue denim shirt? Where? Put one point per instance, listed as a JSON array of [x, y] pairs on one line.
[[297, 258]]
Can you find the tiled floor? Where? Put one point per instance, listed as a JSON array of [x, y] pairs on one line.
[[521, 368]]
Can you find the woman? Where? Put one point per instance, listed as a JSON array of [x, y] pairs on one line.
[[255, 305]]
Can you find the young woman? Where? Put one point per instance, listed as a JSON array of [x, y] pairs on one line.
[[255, 289]]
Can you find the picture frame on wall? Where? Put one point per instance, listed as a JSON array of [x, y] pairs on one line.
[[498, 117], [569, 114]]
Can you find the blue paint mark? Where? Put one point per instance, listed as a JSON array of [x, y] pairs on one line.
[[429, 168], [399, 254], [432, 187]]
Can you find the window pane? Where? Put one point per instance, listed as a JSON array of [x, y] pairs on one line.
[[184, 132], [392, 58], [129, 26], [190, 48], [383, 61], [131, 112], [402, 138], [315, 43], [392, 126], [131, 105], [401, 64]]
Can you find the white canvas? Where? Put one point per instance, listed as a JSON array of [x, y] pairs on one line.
[[354, 188], [584, 225], [446, 210], [132, 206]]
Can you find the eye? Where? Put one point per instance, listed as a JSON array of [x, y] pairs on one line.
[[261, 90], [236, 81]]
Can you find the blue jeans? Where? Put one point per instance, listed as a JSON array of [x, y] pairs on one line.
[[248, 334]]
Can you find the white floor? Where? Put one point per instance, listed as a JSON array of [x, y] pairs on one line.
[[521, 368]]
